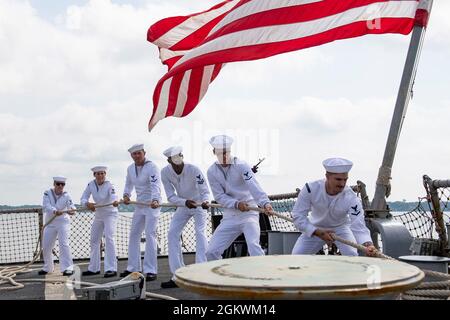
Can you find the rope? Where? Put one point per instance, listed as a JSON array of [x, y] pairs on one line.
[[425, 294], [428, 293], [437, 274], [442, 285], [384, 175], [276, 214], [411, 294], [158, 296], [434, 285], [7, 274], [162, 205], [360, 247], [91, 284], [412, 297]]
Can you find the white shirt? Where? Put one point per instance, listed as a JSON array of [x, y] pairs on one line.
[[235, 183], [327, 211], [102, 194], [189, 185], [146, 180], [53, 202]]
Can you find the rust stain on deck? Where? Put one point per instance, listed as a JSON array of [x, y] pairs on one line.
[[220, 270]]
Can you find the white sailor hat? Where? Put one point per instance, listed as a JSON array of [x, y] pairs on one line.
[[59, 179], [337, 165], [173, 151], [99, 169], [136, 147], [221, 142]]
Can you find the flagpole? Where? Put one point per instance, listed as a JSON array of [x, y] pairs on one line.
[[379, 206]]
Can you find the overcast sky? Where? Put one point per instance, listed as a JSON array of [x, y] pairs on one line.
[[77, 78]]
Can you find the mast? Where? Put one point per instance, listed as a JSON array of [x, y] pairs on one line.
[[382, 190]]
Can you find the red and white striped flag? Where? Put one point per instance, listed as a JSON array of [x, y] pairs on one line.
[[195, 47]]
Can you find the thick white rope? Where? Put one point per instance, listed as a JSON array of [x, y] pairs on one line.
[[412, 297], [443, 285], [62, 280], [430, 292], [8, 274], [434, 285]]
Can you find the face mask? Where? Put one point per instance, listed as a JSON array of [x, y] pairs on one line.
[[221, 160], [177, 159]]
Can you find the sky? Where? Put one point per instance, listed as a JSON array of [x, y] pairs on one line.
[[76, 86]]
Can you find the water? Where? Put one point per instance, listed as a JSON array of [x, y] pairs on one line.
[[19, 234]]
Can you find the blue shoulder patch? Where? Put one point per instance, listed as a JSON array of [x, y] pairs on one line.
[[248, 176], [200, 179], [354, 210]]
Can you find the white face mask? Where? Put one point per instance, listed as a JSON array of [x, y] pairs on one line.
[[220, 159], [177, 159]]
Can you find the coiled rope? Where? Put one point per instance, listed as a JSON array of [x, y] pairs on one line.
[[432, 290], [7, 274], [425, 291]]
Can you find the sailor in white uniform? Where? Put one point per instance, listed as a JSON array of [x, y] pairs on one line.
[[185, 186], [234, 186], [144, 176], [335, 208], [105, 221], [54, 202]]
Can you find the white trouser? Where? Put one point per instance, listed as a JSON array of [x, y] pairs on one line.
[[103, 222], [229, 229], [311, 245], [178, 222], [143, 218], [51, 232]]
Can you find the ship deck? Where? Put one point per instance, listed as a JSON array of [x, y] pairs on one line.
[[47, 291]]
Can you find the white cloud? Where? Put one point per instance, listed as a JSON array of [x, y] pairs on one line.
[[439, 24]]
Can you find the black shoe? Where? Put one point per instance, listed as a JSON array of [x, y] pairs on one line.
[[68, 273], [125, 273], [150, 277], [89, 273], [169, 284], [42, 272], [109, 274]]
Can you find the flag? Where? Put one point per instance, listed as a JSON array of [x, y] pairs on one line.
[[197, 46]]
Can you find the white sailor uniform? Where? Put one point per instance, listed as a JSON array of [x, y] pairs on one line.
[[58, 228], [342, 213], [231, 185], [105, 221], [189, 185], [146, 180]]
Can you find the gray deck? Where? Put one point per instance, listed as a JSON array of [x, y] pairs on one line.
[[36, 291]]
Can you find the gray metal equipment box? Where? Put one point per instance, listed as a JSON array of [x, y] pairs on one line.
[[281, 242], [117, 290], [424, 247]]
